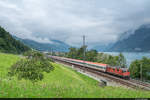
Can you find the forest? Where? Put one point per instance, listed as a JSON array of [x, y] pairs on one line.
[[9, 45]]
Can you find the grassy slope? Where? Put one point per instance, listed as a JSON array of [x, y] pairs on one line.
[[62, 82]]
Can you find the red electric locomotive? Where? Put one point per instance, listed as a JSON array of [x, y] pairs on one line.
[[122, 72]]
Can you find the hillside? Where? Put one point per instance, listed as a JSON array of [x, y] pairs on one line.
[[135, 42], [102, 48], [9, 45], [62, 82], [57, 46]]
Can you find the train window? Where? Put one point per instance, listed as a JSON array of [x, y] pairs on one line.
[[97, 66], [123, 71], [118, 70]]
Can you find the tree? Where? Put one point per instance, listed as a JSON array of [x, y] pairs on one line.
[[101, 57], [91, 55], [80, 52], [72, 53], [122, 61], [135, 68], [112, 60]]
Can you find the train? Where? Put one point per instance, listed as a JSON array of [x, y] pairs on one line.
[[113, 70]]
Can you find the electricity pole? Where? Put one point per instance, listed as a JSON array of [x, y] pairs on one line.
[[141, 71], [52, 51], [84, 49]]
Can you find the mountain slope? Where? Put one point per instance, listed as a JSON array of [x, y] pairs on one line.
[[137, 42], [9, 45], [102, 48], [56, 46]]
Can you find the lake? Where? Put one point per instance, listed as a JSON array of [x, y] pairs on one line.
[[131, 56]]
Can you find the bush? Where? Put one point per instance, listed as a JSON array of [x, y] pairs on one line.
[[31, 68], [28, 53]]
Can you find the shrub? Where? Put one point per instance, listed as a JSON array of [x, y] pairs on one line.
[[31, 68]]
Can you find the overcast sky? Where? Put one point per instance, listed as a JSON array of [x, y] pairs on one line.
[[102, 21]]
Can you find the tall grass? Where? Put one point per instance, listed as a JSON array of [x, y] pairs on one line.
[[62, 82]]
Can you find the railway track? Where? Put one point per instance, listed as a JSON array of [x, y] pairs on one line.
[[140, 82], [135, 84]]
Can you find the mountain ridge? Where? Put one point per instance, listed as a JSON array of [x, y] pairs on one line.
[[136, 42], [57, 46]]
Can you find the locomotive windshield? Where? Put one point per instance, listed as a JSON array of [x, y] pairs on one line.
[[124, 69]]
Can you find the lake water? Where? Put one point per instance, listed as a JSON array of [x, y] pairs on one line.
[[131, 56]]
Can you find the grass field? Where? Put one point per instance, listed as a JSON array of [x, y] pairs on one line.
[[62, 82]]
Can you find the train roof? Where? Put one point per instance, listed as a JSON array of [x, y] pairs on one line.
[[99, 64]]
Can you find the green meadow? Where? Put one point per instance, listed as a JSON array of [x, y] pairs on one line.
[[63, 82]]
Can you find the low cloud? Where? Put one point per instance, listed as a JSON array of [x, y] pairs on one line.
[[102, 21]]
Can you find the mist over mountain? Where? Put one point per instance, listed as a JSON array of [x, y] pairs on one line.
[[137, 41], [103, 47], [125, 35], [56, 45]]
